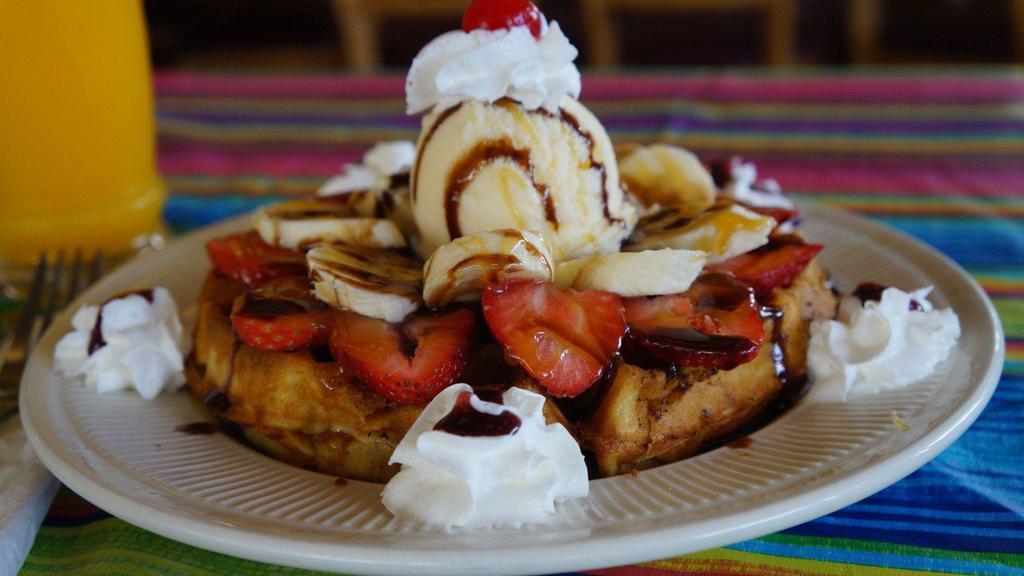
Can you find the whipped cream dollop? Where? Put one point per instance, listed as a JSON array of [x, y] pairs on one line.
[[746, 188], [879, 345], [451, 480], [378, 166], [139, 343], [488, 65]]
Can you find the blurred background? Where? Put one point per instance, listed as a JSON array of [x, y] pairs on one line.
[[367, 35]]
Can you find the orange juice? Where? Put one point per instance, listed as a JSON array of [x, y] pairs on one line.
[[77, 136]]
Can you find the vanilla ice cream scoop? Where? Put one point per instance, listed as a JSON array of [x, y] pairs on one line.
[[484, 166]]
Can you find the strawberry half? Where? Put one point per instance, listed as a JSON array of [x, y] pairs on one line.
[[248, 259], [772, 265], [410, 362], [714, 324], [280, 316], [564, 338]]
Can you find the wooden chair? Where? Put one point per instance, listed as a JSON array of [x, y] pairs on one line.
[[864, 28], [603, 40], [359, 23], [1017, 25]]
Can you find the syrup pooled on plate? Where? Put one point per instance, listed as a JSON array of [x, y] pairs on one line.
[[198, 428]]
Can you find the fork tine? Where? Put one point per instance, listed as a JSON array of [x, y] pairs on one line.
[[97, 267], [30, 310], [6, 344], [56, 279], [76, 276]]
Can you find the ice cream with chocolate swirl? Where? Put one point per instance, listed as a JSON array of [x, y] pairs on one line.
[[522, 153]]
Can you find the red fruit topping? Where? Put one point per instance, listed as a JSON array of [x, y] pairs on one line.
[[410, 362], [502, 15], [772, 265], [722, 170], [714, 324], [248, 259], [564, 338], [281, 316]]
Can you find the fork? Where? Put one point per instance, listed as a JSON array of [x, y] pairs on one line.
[[59, 284]]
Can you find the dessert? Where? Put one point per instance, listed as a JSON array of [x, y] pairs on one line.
[[502, 253], [486, 310], [494, 314]]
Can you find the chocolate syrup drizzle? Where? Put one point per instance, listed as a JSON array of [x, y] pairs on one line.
[[465, 420], [364, 278], [198, 428], [493, 267], [96, 340], [488, 152], [467, 168], [441, 119], [792, 388], [587, 137], [870, 291]]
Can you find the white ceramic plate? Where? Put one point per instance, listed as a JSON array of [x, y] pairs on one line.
[[124, 454]]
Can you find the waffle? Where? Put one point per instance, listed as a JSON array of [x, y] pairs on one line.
[[302, 408]]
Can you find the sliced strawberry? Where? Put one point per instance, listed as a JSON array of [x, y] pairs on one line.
[[564, 338], [281, 316], [722, 169], [502, 15], [771, 266], [410, 362], [248, 259], [714, 324]]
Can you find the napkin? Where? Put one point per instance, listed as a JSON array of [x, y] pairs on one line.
[[26, 490]]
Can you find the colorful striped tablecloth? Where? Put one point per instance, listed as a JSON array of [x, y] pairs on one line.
[[937, 155]]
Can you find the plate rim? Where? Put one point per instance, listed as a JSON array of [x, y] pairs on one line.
[[585, 553]]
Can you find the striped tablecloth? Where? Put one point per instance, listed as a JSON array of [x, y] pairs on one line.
[[937, 155]]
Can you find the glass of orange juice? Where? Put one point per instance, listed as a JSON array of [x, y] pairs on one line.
[[77, 132]]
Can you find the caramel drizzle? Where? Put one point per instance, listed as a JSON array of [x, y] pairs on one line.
[[441, 119], [475, 160]]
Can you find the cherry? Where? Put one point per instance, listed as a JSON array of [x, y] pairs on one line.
[[502, 15]]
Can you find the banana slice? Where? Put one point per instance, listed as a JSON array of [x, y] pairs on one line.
[[669, 176], [374, 282], [647, 273], [722, 232], [396, 205], [347, 218], [459, 270]]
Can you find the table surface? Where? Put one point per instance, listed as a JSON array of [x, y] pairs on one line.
[[939, 155]]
